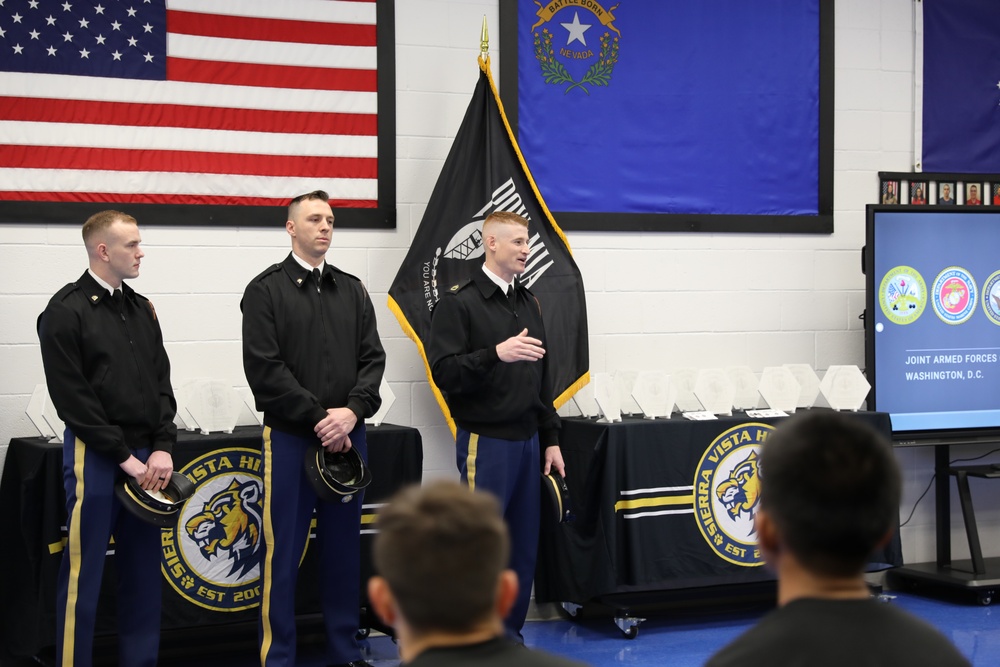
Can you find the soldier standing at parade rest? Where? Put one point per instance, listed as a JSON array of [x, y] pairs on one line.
[[109, 378], [314, 361], [487, 355]]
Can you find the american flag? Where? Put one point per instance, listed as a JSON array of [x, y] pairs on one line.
[[188, 101]]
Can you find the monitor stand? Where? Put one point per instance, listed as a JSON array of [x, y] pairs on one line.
[[977, 575]]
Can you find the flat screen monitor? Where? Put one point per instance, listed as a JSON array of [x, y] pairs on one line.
[[932, 320]]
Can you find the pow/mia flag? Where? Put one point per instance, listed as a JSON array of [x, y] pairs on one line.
[[485, 172]]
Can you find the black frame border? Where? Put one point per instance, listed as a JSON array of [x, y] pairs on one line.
[[907, 438], [822, 223], [189, 215]]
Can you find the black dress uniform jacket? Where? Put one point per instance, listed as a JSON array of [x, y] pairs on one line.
[[107, 372], [308, 348], [511, 401]]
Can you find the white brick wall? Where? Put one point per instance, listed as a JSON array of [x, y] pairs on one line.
[[655, 300]]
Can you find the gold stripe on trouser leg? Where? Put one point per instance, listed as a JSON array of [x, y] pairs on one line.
[[470, 460], [265, 603], [73, 585]]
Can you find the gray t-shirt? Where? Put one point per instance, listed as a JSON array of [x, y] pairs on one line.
[[835, 633]]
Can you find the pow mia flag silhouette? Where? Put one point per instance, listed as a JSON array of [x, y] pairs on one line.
[[485, 172]]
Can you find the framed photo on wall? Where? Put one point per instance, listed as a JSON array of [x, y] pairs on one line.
[[889, 192], [995, 188], [973, 194], [918, 192], [945, 193]]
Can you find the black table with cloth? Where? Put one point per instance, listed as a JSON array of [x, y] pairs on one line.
[[639, 527], [33, 519]]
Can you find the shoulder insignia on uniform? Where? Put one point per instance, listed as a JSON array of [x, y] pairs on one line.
[[266, 272], [337, 270], [94, 298], [458, 287], [298, 281], [65, 291]]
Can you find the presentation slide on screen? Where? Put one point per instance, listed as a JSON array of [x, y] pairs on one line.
[[937, 319]]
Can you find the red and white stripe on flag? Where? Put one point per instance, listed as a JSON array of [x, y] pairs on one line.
[[261, 100]]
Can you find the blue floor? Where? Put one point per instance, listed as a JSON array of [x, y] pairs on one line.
[[678, 639], [681, 640], [688, 642]]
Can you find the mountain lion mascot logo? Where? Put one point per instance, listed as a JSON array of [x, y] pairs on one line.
[[740, 493], [212, 558], [228, 526], [727, 493]]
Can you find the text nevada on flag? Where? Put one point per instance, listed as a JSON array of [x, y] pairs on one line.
[[483, 173], [188, 101], [961, 112]]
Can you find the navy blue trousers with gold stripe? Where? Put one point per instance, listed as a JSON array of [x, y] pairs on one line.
[[289, 500], [509, 469], [94, 514]]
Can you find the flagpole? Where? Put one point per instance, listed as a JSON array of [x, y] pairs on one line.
[[415, 289]]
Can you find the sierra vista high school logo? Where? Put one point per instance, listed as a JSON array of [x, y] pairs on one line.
[[565, 48], [212, 557], [727, 493]]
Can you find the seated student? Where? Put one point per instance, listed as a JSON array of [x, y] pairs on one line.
[[829, 495], [440, 556]]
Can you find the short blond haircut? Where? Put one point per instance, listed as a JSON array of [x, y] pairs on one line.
[[100, 222], [505, 217]]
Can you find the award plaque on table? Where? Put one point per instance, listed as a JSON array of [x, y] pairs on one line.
[[214, 404], [606, 395], [745, 383], [585, 401], [655, 394], [36, 412], [388, 398], [52, 419], [624, 382], [184, 418], [779, 388], [845, 387], [248, 401], [684, 379], [715, 391], [808, 384]]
